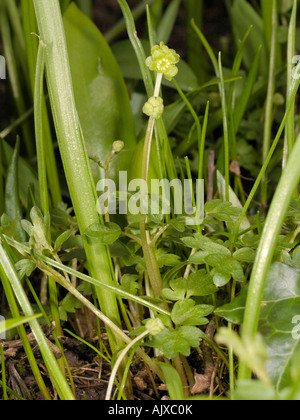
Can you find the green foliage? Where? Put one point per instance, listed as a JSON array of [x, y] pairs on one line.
[[101, 97], [240, 266]]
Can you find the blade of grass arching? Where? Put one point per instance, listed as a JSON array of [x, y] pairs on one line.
[[12, 199], [236, 68], [290, 106], [151, 32], [191, 109], [137, 46], [207, 47], [14, 17], [52, 263], [194, 10], [167, 22], [57, 378], [120, 27], [269, 22], [74, 154], [1, 179], [86, 7], [289, 139], [3, 384], [29, 29], [269, 102], [26, 175], [225, 129], [64, 363], [42, 174], [38, 124], [283, 195], [9, 53], [10, 324], [23, 336], [202, 143], [241, 104]]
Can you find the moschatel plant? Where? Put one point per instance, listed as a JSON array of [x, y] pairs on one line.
[[181, 293]]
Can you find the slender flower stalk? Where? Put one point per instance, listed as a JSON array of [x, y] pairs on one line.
[[163, 60]]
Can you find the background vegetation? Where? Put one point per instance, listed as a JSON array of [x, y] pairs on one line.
[[149, 306]]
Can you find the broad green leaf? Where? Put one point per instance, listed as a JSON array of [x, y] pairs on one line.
[[234, 311], [62, 239], [279, 320], [129, 283], [100, 92], [188, 313], [254, 390], [25, 268], [166, 260], [174, 342], [245, 255], [106, 234], [173, 382], [177, 291], [202, 242], [200, 284], [221, 210]]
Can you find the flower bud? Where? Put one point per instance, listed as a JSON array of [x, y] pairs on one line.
[[154, 107], [118, 146], [155, 326]]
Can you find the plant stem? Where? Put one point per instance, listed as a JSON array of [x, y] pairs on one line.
[[269, 102], [74, 154], [29, 29], [287, 185], [289, 140], [10, 272], [147, 244], [119, 361]]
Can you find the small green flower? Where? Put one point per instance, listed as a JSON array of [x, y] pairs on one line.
[[154, 107], [163, 60]]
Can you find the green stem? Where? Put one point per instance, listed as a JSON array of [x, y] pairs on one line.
[[290, 105], [289, 140], [38, 122], [10, 272], [74, 154], [147, 245], [14, 77], [4, 389], [287, 185], [225, 129], [29, 29], [269, 102]]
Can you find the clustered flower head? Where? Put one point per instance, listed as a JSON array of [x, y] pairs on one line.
[[118, 146], [163, 60], [154, 107], [155, 326]]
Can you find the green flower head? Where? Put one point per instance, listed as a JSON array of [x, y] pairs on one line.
[[154, 107], [163, 60], [155, 326]]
